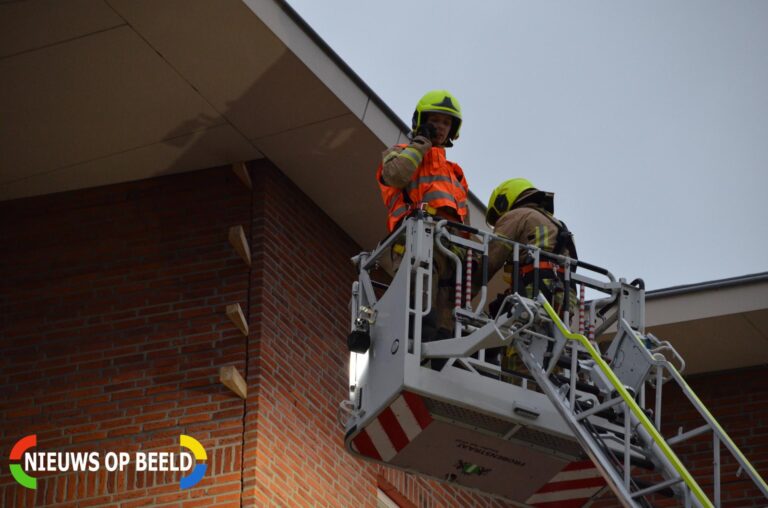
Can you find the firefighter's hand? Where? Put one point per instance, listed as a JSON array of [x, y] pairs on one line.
[[427, 130]]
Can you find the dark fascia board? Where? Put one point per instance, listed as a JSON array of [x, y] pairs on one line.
[[315, 37], [741, 280]]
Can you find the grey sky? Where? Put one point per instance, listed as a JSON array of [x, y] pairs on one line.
[[649, 120]]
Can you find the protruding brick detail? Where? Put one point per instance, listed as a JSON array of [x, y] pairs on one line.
[[233, 380], [239, 242]]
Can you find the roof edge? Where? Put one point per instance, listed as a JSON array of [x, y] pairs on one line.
[[704, 286]]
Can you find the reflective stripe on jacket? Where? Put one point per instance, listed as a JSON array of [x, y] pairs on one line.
[[437, 182]]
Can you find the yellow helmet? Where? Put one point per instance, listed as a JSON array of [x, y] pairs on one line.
[[503, 198], [439, 101]]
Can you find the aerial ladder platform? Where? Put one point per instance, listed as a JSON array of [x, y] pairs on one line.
[[571, 421]]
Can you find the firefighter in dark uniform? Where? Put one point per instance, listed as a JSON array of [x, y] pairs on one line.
[[517, 210]]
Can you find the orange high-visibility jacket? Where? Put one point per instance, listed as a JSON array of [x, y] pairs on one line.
[[437, 182]]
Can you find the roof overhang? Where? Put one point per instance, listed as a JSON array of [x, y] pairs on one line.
[[102, 93], [717, 325]]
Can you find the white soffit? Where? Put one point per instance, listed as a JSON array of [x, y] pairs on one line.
[[111, 93], [714, 328], [337, 164], [205, 148], [719, 343], [84, 96], [310, 54], [34, 24], [234, 60], [718, 301], [381, 125]]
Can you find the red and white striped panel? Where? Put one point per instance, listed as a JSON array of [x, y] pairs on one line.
[[570, 488], [394, 428]]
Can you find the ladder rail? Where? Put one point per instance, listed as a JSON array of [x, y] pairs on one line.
[[632, 405], [649, 430], [662, 363]]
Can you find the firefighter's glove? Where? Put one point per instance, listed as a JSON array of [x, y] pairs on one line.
[[427, 130]]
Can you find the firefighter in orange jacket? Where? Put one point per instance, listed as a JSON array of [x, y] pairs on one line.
[[418, 176]]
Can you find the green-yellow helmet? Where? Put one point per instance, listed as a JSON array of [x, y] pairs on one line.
[[503, 198], [439, 101]]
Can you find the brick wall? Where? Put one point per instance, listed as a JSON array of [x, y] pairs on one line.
[[739, 401], [113, 327], [112, 330]]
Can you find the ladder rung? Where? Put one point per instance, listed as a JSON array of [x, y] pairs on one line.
[[600, 407], [636, 458], [688, 435], [656, 488], [580, 385]]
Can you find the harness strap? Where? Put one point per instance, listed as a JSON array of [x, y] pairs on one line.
[[564, 237], [544, 265]]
